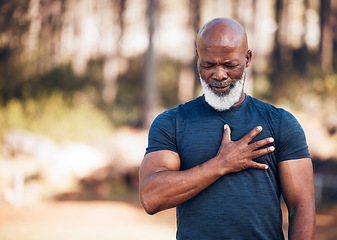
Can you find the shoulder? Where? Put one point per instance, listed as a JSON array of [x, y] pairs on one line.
[[268, 109], [179, 112], [162, 133], [182, 109], [191, 105], [289, 136]]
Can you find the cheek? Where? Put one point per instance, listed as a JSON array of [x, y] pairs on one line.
[[236, 76], [205, 74]]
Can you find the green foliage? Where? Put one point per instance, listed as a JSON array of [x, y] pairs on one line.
[[168, 76], [127, 106], [61, 79], [298, 82], [290, 88], [54, 117]]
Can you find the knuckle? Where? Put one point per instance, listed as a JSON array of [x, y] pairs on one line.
[[257, 153], [253, 164], [256, 145], [249, 136], [253, 134], [268, 141]]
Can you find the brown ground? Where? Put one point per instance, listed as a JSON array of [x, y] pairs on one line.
[[84, 221], [106, 221]]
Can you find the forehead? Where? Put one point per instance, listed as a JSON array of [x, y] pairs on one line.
[[216, 53], [218, 36]]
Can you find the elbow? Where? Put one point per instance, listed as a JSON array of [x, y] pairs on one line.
[[148, 204], [149, 209]]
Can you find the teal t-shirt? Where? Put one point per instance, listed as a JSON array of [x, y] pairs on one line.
[[243, 205]]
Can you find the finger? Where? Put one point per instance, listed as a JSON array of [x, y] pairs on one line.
[[261, 143], [261, 152], [252, 134], [226, 134], [259, 165]]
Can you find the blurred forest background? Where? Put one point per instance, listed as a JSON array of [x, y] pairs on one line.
[[82, 80]]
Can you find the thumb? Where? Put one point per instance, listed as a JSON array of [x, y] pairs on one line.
[[226, 134]]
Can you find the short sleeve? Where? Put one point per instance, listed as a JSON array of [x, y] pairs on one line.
[[292, 142], [162, 133]]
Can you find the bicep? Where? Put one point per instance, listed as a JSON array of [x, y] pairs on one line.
[[158, 161], [296, 178]]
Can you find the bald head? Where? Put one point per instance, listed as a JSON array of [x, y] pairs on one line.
[[222, 32], [222, 59]]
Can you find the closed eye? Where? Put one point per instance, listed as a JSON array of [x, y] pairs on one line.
[[207, 65], [231, 65]]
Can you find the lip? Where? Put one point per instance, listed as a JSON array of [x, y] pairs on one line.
[[220, 88]]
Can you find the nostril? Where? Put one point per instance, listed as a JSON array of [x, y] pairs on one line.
[[220, 77], [220, 74]]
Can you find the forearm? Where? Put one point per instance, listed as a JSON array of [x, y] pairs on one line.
[[302, 222], [166, 189]]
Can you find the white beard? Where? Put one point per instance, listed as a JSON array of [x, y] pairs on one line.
[[223, 101]]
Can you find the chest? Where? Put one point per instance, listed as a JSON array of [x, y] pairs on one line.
[[199, 137]]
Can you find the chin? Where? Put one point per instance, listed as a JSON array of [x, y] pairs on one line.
[[222, 94], [222, 101]]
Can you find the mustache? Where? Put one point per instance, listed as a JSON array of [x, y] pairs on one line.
[[220, 84]]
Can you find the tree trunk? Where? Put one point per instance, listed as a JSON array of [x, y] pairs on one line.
[[282, 54], [150, 87], [326, 53], [113, 61], [303, 66], [188, 73]]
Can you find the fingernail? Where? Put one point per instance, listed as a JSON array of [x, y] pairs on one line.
[[266, 167], [272, 148], [271, 139], [225, 126], [259, 128]]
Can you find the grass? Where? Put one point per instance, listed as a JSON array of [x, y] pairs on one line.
[[55, 117]]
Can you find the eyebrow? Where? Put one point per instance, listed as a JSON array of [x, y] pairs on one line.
[[226, 62]]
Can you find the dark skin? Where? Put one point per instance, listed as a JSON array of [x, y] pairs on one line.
[[223, 53], [222, 58]]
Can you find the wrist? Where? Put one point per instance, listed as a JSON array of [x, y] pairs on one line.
[[218, 168]]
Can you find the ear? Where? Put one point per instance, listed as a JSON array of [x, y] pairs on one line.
[[248, 57]]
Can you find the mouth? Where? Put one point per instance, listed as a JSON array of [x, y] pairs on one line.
[[221, 88]]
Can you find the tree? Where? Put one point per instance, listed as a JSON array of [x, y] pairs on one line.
[[328, 10], [150, 87], [282, 53], [188, 76]]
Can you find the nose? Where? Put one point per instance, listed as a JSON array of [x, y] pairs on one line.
[[220, 74]]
